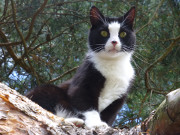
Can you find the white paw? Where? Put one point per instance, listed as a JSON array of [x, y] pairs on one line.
[[76, 121], [93, 121], [101, 126]]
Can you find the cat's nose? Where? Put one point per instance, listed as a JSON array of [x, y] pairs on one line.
[[114, 43]]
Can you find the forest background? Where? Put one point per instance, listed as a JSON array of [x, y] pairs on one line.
[[45, 42]]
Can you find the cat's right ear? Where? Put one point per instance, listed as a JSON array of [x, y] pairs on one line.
[[96, 16], [129, 17]]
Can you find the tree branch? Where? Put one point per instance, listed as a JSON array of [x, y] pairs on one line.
[[5, 10], [146, 75], [55, 36], [13, 55], [34, 18], [163, 56], [23, 42], [22, 116], [61, 76], [17, 28], [30, 27]]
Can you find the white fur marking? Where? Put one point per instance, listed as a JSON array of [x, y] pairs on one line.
[[114, 32], [69, 117], [118, 74], [93, 121], [63, 112], [75, 121]]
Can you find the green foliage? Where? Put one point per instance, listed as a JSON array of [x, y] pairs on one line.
[[58, 43]]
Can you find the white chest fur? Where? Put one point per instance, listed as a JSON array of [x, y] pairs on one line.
[[118, 73]]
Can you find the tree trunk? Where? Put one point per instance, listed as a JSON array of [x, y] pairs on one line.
[[20, 116], [166, 119]]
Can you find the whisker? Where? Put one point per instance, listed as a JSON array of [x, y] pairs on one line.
[[124, 26], [134, 62], [139, 54], [141, 49], [141, 59], [137, 66], [97, 45], [98, 48], [125, 19]]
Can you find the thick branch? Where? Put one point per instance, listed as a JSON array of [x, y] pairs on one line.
[[166, 119], [19, 115]]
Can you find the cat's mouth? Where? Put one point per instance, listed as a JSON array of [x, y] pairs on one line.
[[113, 50]]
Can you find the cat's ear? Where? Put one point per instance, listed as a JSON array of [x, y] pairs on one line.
[[128, 18], [96, 16]]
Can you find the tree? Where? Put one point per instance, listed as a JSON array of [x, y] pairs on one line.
[[45, 41]]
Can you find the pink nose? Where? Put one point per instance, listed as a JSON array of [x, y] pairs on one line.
[[114, 43]]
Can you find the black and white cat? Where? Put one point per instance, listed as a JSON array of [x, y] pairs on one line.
[[100, 86]]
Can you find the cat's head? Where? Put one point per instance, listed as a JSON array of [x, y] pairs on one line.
[[111, 37]]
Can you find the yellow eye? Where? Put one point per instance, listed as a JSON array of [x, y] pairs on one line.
[[122, 34], [104, 33]]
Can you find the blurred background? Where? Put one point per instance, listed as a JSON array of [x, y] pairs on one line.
[[45, 41]]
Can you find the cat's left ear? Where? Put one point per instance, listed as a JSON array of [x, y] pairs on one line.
[[96, 16], [128, 18]]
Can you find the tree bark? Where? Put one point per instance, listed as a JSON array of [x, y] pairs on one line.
[[21, 116], [166, 119]]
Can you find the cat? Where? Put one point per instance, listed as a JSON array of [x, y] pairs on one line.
[[101, 84]]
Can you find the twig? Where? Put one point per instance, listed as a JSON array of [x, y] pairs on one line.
[[34, 18], [39, 32], [56, 36], [17, 28], [5, 10], [61, 76], [73, 1]]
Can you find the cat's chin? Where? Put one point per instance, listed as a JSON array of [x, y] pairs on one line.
[[112, 54], [113, 51]]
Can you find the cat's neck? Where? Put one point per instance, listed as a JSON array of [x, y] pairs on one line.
[[109, 58], [118, 67]]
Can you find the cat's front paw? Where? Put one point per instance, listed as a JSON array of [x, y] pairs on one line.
[[76, 121], [101, 126], [93, 121]]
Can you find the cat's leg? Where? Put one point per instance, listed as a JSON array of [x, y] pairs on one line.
[[109, 113], [70, 116], [76, 121], [49, 96], [93, 120]]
